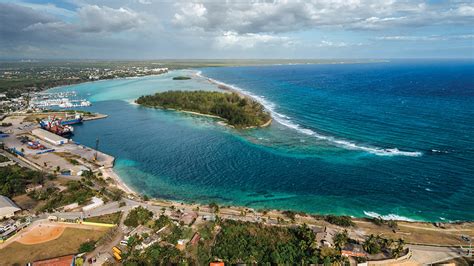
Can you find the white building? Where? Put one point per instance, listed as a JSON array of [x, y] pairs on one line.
[[96, 202], [7, 208], [49, 137]]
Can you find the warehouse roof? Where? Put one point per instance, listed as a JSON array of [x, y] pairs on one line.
[[48, 135], [7, 206]]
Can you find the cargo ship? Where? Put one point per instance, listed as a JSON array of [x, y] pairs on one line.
[[76, 119], [54, 125]]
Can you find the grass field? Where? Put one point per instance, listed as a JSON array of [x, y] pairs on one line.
[[420, 233], [67, 243], [113, 218]]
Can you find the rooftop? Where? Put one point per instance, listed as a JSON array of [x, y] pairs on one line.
[[46, 134], [6, 202], [59, 261]]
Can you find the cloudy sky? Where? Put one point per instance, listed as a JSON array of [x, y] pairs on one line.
[[157, 29]]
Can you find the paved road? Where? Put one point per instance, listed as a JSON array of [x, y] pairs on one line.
[[17, 160], [104, 252]]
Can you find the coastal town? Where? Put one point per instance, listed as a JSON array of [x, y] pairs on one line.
[[62, 203], [218, 133]]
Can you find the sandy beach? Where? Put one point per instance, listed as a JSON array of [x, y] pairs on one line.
[[110, 173]]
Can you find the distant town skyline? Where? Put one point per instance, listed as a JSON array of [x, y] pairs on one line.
[[147, 29]]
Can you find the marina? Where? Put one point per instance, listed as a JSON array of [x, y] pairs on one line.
[[68, 99]]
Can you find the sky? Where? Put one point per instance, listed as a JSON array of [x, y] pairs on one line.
[[199, 29]]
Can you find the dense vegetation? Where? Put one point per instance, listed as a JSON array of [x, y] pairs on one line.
[[236, 242], [240, 242], [14, 179], [87, 246], [156, 255], [375, 244], [3, 159], [76, 192], [344, 221], [239, 111], [138, 216]]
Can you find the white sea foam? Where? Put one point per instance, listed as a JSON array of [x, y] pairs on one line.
[[286, 121], [388, 216]]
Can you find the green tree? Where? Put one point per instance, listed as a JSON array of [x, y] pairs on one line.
[[371, 244], [399, 248], [138, 216], [87, 246], [340, 239]]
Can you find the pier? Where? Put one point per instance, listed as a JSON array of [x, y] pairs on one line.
[[67, 158]]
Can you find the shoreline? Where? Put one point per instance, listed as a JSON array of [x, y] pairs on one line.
[[119, 183]]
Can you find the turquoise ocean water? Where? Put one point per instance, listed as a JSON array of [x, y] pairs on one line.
[[394, 139]]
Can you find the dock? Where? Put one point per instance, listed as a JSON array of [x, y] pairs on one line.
[[48, 152], [95, 117]]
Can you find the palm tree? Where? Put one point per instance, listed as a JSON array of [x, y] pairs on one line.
[[371, 244], [340, 239], [398, 250]]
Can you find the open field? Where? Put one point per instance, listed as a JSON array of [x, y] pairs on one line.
[[419, 233], [67, 243], [112, 218], [41, 234]]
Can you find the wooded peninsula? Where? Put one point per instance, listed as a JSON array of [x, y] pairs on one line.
[[237, 110]]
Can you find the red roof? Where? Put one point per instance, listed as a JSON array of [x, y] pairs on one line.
[[216, 264], [195, 238], [349, 253], [59, 261]]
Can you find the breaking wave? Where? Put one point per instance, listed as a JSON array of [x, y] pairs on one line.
[[388, 216], [286, 121]]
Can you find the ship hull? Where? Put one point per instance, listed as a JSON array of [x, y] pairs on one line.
[[71, 122]]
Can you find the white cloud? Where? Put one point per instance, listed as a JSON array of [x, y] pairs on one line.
[[424, 38], [105, 19], [286, 15], [190, 14], [332, 44], [145, 2], [229, 40]]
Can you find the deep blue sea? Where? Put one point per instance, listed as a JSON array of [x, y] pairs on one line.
[[394, 139]]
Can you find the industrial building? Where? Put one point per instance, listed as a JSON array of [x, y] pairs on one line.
[[7, 208], [49, 137]]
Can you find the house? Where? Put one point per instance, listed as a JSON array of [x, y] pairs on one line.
[[211, 217], [181, 244], [324, 236], [354, 250], [195, 239], [140, 230], [188, 218], [32, 187], [71, 206], [7, 208], [96, 202]]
